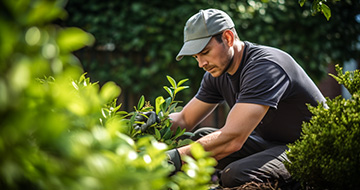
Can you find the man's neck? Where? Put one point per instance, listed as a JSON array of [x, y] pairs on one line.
[[238, 53]]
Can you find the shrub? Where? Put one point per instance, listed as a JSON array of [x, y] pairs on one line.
[[53, 129], [159, 129], [327, 156]]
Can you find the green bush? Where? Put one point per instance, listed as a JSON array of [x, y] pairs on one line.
[[145, 36], [160, 129], [327, 156], [55, 131]]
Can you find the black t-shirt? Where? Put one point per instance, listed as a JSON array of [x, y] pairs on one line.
[[267, 76]]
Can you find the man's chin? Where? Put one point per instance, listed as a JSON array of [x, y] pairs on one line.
[[215, 74]]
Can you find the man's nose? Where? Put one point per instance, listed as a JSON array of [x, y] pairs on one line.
[[201, 62]]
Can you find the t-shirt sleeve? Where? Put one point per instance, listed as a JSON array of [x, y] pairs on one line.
[[263, 83], [208, 91]]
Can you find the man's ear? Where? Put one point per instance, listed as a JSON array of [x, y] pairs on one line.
[[228, 37]]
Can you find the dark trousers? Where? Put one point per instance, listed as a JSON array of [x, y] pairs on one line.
[[258, 160]]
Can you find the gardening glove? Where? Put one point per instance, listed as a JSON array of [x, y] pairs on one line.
[[150, 119], [174, 159]]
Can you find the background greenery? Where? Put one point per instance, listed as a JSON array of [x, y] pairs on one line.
[[54, 130], [137, 41], [60, 131]]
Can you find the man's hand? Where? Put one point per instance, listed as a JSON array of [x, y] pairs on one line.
[[150, 119], [174, 159]]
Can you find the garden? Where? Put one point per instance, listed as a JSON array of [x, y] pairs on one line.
[[63, 125]]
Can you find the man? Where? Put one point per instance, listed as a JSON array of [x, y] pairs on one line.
[[266, 90]]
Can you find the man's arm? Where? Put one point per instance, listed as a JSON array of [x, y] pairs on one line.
[[241, 121], [192, 114]]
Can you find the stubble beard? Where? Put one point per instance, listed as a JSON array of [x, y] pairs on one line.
[[228, 65]]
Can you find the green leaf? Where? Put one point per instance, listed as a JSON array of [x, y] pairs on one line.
[[109, 91], [103, 110], [163, 107], [302, 2], [179, 132], [178, 109], [169, 91], [132, 119], [169, 142], [326, 11], [82, 77], [115, 109], [197, 151], [75, 85], [158, 101], [44, 11], [181, 82], [184, 142], [71, 39], [141, 102], [314, 7], [180, 89], [157, 134], [168, 102], [172, 108], [121, 113], [167, 134], [126, 139], [146, 109], [172, 81]]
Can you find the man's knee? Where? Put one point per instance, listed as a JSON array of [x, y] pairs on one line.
[[233, 177], [262, 167]]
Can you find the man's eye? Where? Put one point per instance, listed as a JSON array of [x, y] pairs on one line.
[[194, 56], [205, 52]]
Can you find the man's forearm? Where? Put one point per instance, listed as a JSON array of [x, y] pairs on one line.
[[241, 121], [177, 120], [218, 143]]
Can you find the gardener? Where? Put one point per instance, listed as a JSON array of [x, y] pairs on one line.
[[266, 90]]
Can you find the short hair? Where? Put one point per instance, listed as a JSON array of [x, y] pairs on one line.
[[218, 37]]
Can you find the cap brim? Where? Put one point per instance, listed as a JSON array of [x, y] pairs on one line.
[[192, 47]]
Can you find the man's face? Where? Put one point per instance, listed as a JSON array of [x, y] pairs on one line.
[[214, 58]]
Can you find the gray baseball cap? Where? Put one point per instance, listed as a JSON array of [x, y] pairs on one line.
[[200, 28]]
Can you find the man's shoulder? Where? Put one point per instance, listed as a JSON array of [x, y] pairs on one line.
[[263, 51]]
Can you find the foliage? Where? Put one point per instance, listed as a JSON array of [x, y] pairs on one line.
[[144, 37], [160, 130], [52, 131], [196, 171], [319, 6], [138, 40], [312, 42], [328, 154], [350, 80]]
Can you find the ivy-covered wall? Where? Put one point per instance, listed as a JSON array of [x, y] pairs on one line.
[[137, 41]]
